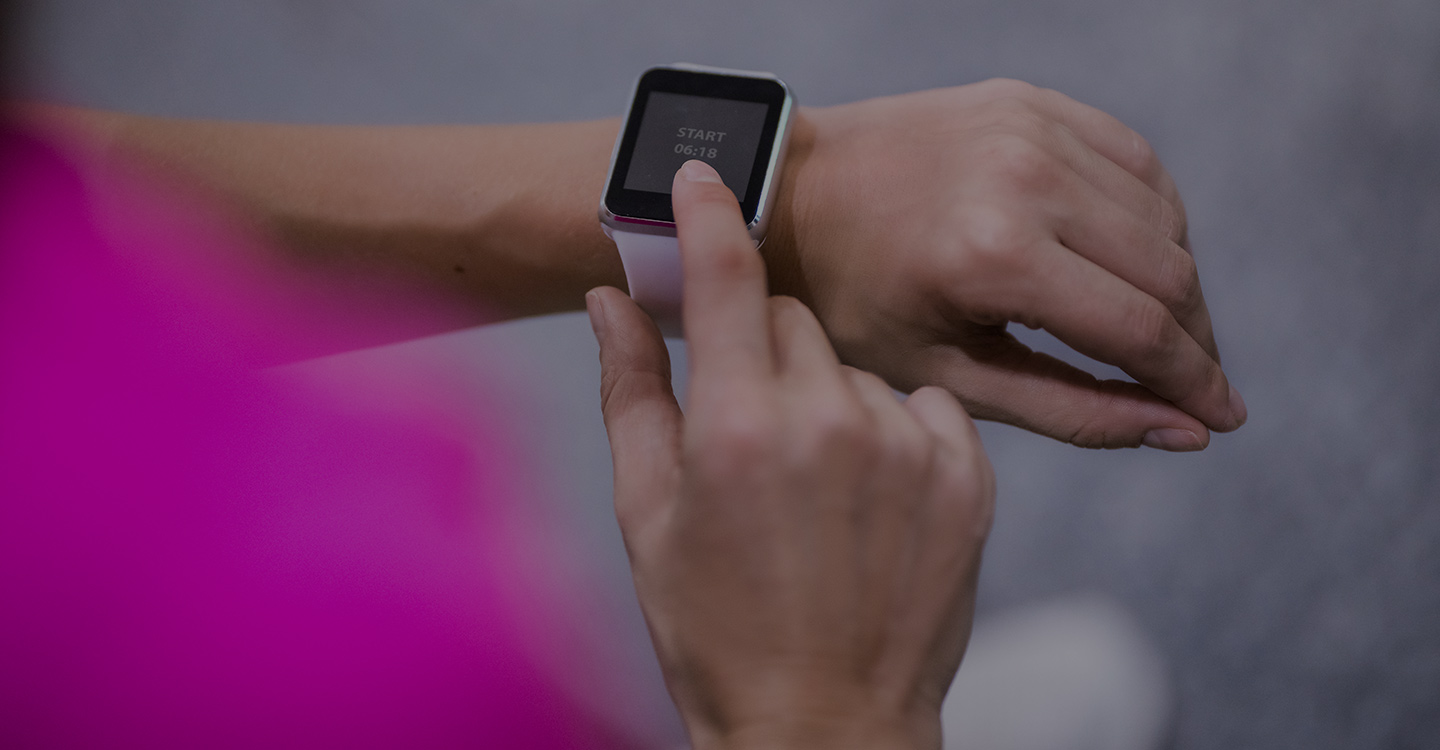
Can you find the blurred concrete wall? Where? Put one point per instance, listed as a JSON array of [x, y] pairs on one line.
[[1291, 572]]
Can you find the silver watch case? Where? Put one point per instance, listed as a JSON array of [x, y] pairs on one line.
[[612, 222]]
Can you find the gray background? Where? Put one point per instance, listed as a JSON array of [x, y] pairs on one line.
[[1291, 573]]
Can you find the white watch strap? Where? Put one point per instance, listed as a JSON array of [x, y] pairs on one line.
[[652, 269]]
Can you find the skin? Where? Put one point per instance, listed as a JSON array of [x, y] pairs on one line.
[[1006, 203], [916, 228], [805, 547]]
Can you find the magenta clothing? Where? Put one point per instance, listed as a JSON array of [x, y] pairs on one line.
[[193, 554]]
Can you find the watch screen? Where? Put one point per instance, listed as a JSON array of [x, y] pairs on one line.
[[731, 122], [679, 127]]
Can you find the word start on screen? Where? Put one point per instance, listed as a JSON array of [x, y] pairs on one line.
[[697, 134]]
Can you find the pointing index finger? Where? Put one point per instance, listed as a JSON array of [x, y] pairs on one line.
[[725, 304]]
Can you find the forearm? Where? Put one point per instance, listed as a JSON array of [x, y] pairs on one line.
[[503, 217]]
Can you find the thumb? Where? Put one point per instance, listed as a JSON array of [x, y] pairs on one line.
[[642, 418]]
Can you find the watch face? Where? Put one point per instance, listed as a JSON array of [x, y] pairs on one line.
[[728, 121]]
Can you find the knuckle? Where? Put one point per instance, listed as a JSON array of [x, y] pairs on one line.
[[1021, 164], [1152, 331], [928, 392], [1010, 88], [1143, 159], [966, 487], [788, 309], [1089, 425], [913, 450], [1170, 219], [1182, 220], [995, 242], [736, 441], [1094, 435], [1019, 117], [836, 428], [612, 394], [611, 400], [634, 520], [1179, 282], [867, 379], [936, 398], [840, 425], [619, 389], [904, 461]]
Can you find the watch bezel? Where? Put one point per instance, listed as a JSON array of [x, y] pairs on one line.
[[651, 213]]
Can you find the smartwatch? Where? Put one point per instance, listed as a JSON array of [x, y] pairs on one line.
[[736, 121]]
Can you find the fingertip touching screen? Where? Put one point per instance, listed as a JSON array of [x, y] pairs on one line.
[[729, 122]]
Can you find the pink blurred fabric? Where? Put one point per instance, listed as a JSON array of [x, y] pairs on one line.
[[195, 555]]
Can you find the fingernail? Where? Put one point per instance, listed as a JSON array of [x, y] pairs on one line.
[[698, 171], [1170, 439], [1237, 407], [597, 316]]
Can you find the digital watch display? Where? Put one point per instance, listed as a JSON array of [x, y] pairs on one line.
[[736, 121]]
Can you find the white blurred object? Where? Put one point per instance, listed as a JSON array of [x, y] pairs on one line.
[[1069, 674]]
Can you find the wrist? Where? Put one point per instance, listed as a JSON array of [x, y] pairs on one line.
[[847, 732], [824, 713], [781, 248], [821, 206]]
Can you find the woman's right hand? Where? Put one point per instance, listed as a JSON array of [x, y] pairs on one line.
[[805, 546]]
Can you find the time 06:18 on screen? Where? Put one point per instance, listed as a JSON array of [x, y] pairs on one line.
[[699, 152]]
